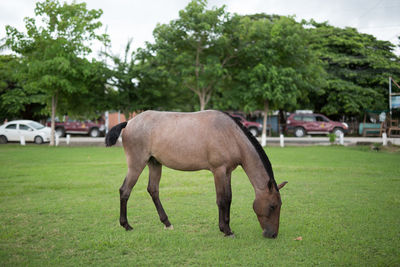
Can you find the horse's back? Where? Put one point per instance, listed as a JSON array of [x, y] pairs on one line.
[[184, 141]]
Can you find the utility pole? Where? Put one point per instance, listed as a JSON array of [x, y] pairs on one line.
[[390, 97], [394, 98]]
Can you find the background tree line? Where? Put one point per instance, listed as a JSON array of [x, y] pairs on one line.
[[207, 58]]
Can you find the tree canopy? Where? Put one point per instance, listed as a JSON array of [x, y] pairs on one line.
[[278, 66], [54, 48], [15, 101], [275, 67], [193, 50], [358, 67]]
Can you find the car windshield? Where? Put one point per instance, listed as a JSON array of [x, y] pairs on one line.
[[36, 125]]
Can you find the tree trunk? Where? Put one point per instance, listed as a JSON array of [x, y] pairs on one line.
[[202, 102], [264, 130], [204, 95], [53, 118], [282, 122]]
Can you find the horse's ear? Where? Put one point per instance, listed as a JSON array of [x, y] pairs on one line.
[[282, 185]]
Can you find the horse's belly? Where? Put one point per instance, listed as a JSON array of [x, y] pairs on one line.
[[187, 160], [194, 166]]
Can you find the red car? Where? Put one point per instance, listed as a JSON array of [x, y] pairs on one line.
[[254, 128], [302, 124], [78, 127]]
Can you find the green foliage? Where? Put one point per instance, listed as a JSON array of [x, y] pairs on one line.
[[140, 84], [54, 48], [13, 97], [358, 67], [64, 29], [275, 64], [15, 101], [189, 53], [94, 96], [125, 98], [60, 206], [159, 88]]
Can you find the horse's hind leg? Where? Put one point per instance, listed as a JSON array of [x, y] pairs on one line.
[[125, 191], [222, 180], [153, 189]]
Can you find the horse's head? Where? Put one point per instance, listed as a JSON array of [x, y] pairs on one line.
[[267, 206]]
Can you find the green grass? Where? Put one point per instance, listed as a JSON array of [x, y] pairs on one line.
[[60, 206]]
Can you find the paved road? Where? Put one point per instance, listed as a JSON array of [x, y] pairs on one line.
[[273, 141]]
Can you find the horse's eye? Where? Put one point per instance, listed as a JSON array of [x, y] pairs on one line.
[[272, 207]]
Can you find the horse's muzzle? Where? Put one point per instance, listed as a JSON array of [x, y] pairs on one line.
[[269, 234]]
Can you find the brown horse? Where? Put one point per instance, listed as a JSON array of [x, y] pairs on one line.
[[210, 140]]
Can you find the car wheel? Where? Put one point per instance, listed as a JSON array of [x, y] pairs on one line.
[[94, 132], [3, 139], [60, 132], [338, 131], [299, 132], [253, 131], [38, 140]]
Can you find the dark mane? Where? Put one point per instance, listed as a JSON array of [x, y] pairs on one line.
[[260, 151]]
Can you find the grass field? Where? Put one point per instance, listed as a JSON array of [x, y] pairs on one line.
[[60, 206]]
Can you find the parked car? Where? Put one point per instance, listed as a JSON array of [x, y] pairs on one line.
[[302, 124], [32, 131], [254, 128], [70, 126]]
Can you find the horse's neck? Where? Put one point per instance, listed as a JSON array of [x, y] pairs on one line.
[[255, 170]]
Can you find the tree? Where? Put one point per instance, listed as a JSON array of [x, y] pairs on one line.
[[15, 101], [55, 48], [277, 70], [192, 49], [94, 96], [139, 82], [12, 96], [123, 80], [358, 67]]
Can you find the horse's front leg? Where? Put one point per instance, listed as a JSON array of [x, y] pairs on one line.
[[222, 180], [125, 191]]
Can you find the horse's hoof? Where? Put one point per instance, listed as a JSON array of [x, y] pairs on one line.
[[126, 226], [231, 235], [171, 227]]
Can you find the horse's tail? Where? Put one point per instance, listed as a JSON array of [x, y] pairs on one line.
[[113, 134]]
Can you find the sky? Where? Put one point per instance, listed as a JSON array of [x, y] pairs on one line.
[[136, 19]]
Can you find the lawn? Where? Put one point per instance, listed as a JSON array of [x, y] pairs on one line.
[[60, 206]]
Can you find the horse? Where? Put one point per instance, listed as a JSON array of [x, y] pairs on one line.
[[206, 140]]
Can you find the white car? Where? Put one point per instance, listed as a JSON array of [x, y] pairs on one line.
[[32, 131]]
